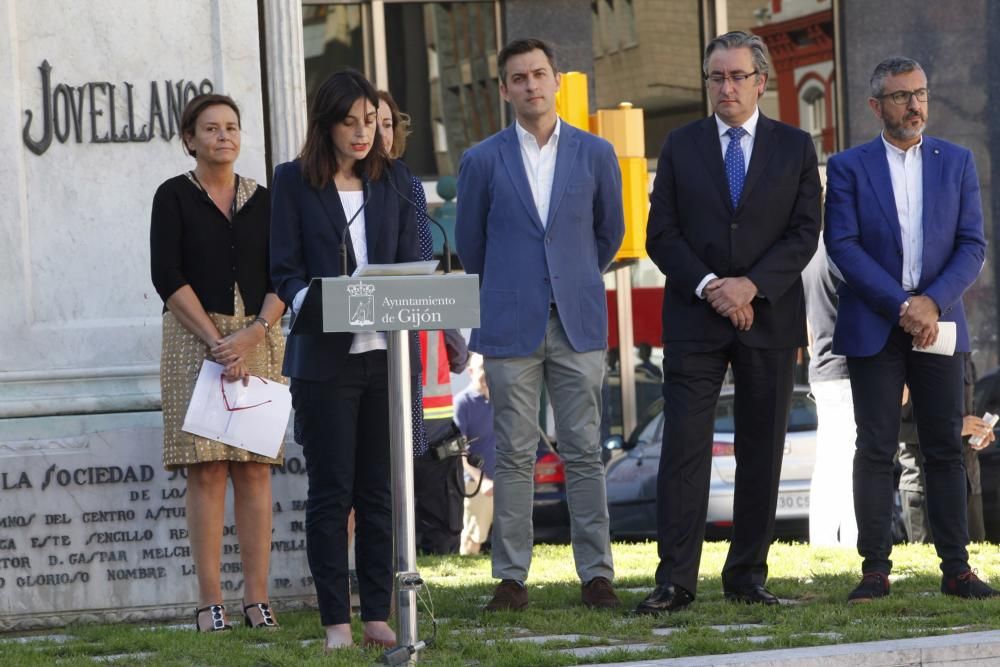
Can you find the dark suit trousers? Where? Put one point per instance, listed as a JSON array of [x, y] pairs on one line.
[[343, 427], [693, 375], [936, 388]]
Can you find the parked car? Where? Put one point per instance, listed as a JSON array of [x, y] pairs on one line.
[[550, 511], [633, 464]]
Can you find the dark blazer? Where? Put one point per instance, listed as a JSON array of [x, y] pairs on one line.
[[864, 241], [523, 265], [307, 226], [769, 238]]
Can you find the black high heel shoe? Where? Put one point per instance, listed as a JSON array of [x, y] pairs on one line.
[[218, 613], [266, 616]]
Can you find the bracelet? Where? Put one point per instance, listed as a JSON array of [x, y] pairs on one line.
[[265, 324]]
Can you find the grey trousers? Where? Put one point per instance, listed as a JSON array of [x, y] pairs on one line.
[[573, 382]]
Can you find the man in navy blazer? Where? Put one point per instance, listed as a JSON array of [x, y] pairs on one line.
[[539, 219], [734, 219], [904, 225]]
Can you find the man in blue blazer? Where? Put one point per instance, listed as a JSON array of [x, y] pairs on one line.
[[904, 225], [539, 219]]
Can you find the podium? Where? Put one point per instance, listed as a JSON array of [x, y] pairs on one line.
[[395, 305]]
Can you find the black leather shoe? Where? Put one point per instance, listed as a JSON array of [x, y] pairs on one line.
[[752, 594], [665, 598]]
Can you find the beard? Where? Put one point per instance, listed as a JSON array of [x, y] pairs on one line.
[[902, 130]]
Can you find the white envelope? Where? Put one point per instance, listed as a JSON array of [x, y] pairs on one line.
[[253, 418], [946, 340]]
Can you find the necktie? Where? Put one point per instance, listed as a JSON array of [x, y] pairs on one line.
[[735, 164]]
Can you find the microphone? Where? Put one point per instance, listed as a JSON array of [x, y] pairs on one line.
[[444, 234], [347, 231]]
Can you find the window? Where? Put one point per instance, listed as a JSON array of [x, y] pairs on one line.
[[439, 63], [333, 37]]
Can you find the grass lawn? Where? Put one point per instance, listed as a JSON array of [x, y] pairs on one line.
[[815, 580]]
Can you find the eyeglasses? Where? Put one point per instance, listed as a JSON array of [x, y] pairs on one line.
[[737, 78], [903, 96], [231, 407]]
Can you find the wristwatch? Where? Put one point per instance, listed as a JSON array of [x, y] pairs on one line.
[[265, 323]]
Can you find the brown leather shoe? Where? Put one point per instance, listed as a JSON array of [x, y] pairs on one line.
[[510, 595], [598, 593]]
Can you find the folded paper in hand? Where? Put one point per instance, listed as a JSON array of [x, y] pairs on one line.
[[946, 340], [253, 418]]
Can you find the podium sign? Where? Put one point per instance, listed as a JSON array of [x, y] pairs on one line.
[[395, 305], [400, 303]]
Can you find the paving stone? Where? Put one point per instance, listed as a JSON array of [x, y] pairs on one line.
[[821, 635], [544, 639], [594, 651], [665, 632], [57, 639], [971, 649], [736, 627], [510, 631], [186, 627], [134, 657]]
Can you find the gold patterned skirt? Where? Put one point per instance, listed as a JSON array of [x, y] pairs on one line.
[[180, 362]]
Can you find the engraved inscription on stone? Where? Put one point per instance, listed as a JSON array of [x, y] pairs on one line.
[[103, 528]]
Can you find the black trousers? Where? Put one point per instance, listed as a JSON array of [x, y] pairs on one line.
[[438, 487], [936, 389], [693, 376], [343, 427]]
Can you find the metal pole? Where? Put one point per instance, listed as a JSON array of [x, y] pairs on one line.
[[403, 513], [626, 343]]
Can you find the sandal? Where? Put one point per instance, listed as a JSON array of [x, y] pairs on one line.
[[218, 612], [266, 616]]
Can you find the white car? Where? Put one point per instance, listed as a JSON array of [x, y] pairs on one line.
[[632, 469]]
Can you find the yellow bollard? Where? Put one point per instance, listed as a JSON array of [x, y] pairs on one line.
[[624, 128], [572, 103]]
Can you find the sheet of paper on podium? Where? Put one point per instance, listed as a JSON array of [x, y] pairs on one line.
[[253, 418], [400, 269]]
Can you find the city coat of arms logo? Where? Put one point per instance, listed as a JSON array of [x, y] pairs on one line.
[[361, 304]]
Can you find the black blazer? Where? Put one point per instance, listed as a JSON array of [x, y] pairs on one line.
[[307, 226], [769, 238]]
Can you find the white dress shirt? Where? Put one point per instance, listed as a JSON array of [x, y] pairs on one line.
[[746, 143], [352, 200], [540, 166], [364, 341], [906, 169]]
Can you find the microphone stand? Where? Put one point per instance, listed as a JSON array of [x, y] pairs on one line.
[[347, 231], [444, 234]]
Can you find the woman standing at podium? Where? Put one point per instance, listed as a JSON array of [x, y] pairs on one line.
[[208, 246], [339, 381]]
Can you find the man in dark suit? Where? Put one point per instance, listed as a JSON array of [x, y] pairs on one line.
[[539, 219], [733, 222], [905, 228]]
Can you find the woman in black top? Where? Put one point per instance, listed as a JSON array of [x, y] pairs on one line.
[[209, 250], [339, 381]]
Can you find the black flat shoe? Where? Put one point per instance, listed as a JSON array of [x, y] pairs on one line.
[[752, 594], [665, 598], [218, 615], [263, 610]]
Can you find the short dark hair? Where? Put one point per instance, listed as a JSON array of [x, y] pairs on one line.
[[193, 109], [331, 105], [519, 46], [400, 125], [891, 67], [737, 39]]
